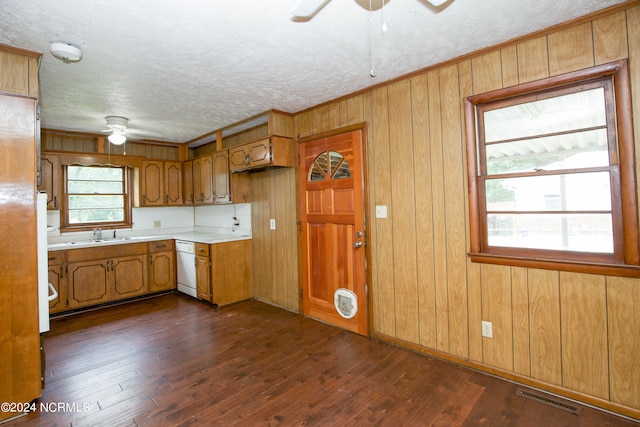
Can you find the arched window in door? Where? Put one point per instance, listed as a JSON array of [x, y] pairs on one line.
[[329, 165]]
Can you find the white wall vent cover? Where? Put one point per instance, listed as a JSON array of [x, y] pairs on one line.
[[346, 303]]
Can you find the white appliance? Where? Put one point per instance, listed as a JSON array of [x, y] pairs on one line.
[[46, 291], [186, 265]]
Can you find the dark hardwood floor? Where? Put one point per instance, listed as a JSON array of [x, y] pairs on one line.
[[175, 361]]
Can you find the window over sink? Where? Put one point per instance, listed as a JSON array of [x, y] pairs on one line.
[[96, 196]]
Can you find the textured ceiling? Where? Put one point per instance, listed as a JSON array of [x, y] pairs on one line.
[[179, 69]]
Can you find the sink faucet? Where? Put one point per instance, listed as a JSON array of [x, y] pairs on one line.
[[97, 232]]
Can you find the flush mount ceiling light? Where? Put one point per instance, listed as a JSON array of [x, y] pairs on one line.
[[65, 52], [117, 125]]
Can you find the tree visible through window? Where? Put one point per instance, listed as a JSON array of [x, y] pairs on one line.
[[96, 196], [551, 171]]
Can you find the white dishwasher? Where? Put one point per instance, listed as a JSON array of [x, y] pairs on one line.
[[186, 263]]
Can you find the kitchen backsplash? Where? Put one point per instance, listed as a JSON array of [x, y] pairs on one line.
[[168, 220]]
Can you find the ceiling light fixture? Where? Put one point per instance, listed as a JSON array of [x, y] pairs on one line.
[[65, 52], [117, 125]]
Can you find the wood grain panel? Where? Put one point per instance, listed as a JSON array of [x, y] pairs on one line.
[[509, 60], [343, 119], [487, 72], [623, 315], [384, 305], [570, 49], [14, 77], [544, 317], [583, 317], [438, 206], [454, 190], [355, 110], [304, 124], [424, 211], [633, 28], [403, 215], [610, 38], [520, 310], [496, 308], [533, 60]]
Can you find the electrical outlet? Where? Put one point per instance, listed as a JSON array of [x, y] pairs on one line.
[[156, 224], [272, 224], [381, 211], [487, 329]]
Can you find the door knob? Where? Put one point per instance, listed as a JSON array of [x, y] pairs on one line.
[[357, 245]]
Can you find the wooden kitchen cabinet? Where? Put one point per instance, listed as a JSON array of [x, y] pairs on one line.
[[211, 178], [106, 273], [162, 266], [58, 279], [203, 278], [266, 152], [231, 276], [51, 179], [160, 183]]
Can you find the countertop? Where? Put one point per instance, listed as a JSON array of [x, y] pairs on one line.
[[207, 237]]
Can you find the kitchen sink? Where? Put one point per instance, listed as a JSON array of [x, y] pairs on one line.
[[95, 241]]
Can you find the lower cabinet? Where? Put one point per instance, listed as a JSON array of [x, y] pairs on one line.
[[203, 278], [162, 266], [58, 279]]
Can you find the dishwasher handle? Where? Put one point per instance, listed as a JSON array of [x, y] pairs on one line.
[[53, 294]]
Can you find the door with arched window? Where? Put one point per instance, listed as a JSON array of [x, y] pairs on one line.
[[333, 234]]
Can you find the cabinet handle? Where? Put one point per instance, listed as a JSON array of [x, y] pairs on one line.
[[151, 259], [166, 200], [61, 272], [161, 246], [55, 201], [246, 159]]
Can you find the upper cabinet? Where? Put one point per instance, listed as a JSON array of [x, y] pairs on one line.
[[160, 183], [19, 74], [273, 151], [211, 179], [51, 178]]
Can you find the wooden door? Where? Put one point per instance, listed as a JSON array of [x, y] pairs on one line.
[[88, 283], [221, 177], [333, 235], [129, 276], [173, 183], [162, 271], [151, 179], [203, 282], [187, 182]]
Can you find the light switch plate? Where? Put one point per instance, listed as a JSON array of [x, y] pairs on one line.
[[487, 329], [381, 211], [272, 224]]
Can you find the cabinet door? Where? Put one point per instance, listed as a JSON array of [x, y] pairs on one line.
[[151, 183], [173, 183], [162, 271], [187, 182], [129, 276], [203, 180], [50, 175], [221, 177], [88, 283], [203, 282], [57, 278], [260, 153], [238, 159]]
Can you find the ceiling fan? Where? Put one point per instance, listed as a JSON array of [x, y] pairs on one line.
[[117, 126], [305, 10]]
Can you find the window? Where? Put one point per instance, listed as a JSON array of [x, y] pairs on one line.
[[552, 174], [96, 196]]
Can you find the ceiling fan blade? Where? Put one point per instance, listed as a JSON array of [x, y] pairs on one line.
[[436, 3], [307, 9]]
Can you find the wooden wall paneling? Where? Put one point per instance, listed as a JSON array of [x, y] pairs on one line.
[[520, 310], [316, 120], [497, 309], [455, 217], [366, 112], [303, 124], [509, 61], [343, 118], [17, 80], [623, 314], [261, 247], [633, 29], [438, 205], [383, 282], [404, 210], [487, 72], [355, 110], [533, 60], [424, 211], [330, 116], [544, 324], [610, 38], [280, 123], [285, 256], [583, 316], [570, 49], [474, 294]]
